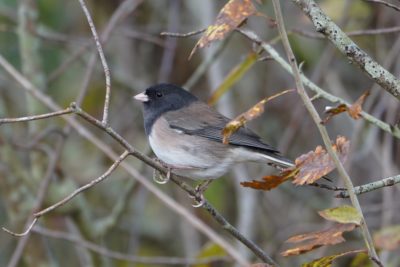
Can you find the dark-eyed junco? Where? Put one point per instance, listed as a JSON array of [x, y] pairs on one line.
[[185, 133]]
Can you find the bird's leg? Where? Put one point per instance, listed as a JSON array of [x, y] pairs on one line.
[[163, 179], [158, 177], [198, 193]]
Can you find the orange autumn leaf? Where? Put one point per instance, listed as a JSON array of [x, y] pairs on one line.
[[316, 164], [229, 18], [334, 111], [354, 110], [313, 240], [269, 182], [249, 115]]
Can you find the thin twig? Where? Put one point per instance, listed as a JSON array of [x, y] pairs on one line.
[[154, 260], [384, 3], [183, 35], [324, 134], [103, 61], [85, 187], [36, 117], [142, 36], [361, 189], [205, 65], [37, 215], [27, 230]]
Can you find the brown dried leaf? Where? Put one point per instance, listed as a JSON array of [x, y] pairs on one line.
[[229, 18], [331, 236], [316, 164], [355, 109], [269, 182], [249, 115]]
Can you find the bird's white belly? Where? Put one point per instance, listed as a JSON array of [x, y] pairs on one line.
[[188, 160]]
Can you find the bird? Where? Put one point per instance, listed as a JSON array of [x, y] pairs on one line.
[[186, 135]]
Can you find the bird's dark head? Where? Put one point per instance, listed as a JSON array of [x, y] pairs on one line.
[[162, 98]]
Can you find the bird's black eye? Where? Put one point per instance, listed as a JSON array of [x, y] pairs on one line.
[[159, 94]]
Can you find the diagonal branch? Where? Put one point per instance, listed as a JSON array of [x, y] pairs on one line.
[[125, 257], [324, 133], [346, 46], [361, 189], [37, 215], [36, 117], [393, 130]]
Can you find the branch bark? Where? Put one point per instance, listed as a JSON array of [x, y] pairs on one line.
[[323, 24], [324, 133]]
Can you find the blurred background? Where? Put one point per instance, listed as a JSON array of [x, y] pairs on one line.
[[51, 44]]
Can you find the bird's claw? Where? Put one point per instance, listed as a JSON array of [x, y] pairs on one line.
[[199, 201], [198, 193], [159, 178]]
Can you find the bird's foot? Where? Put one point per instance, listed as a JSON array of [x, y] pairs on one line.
[[198, 193], [159, 177]]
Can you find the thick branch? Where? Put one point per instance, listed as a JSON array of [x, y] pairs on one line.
[[346, 46]]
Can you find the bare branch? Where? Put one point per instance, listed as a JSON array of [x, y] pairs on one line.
[[121, 256], [384, 3], [37, 215], [324, 133], [346, 46], [390, 181], [103, 61], [182, 35], [28, 229], [36, 117], [352, 33], [85, 187]]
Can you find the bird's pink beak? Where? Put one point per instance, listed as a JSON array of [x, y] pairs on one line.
[[142, 97]]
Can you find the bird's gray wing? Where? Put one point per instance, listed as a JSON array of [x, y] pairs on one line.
[[201, 120]]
